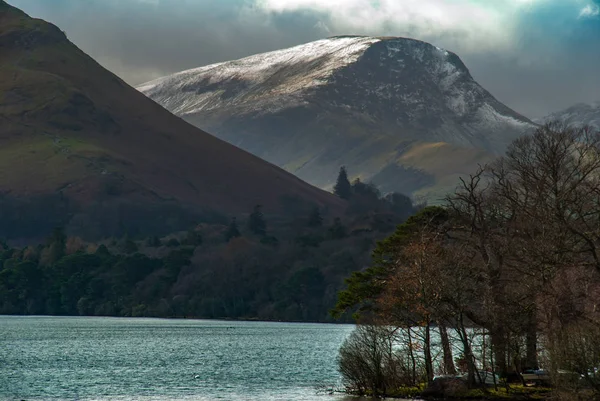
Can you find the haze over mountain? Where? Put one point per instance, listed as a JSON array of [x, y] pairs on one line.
[[399, 112], [578, 115], [72, 134]]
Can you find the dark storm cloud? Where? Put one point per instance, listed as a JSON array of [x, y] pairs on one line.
[[554, 61], [145, 39], [536, 56]]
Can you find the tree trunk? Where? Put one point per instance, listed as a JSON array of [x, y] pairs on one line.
[[427, 352], [498, 339], [449, 367], [471, 368], [531, 355], [412, 358]]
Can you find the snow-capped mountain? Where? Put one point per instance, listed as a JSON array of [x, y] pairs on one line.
[[578, 115], [369, 103]]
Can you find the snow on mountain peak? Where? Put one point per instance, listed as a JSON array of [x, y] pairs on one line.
[[578, 115], [349, 100], [261, 78], [291, 70], [403, 84]]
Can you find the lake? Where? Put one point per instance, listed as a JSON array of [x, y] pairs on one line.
[[79, 358]]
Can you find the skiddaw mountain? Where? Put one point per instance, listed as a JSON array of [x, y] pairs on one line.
[[399, 112], [578, 115], [82, 149]]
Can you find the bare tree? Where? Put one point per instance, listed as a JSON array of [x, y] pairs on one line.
[[529, 216], [368, 362], [516, 254]]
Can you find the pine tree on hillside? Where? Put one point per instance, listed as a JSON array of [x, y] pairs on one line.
[[153, 242], [57, 245], [342, 187], [365, 189], [337, 230], [193, 238], [315, 219], [232, 231], [256, 222]]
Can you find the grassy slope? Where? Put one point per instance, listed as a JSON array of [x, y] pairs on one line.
[[315, 151], [66, 122], [446, 163]]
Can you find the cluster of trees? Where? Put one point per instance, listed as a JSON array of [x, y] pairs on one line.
[[512, 260], [366, 197], [257, 225], [69, 277], [257, 266]]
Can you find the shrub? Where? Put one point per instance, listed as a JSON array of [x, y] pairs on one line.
[[269, 240], [153, 242], [193, 238], [310, 240], [128, 246], [173, 242], [574, 353], [368, 363], [337, 229]]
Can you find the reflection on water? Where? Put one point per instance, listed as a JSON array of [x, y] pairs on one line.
[[152, 359]]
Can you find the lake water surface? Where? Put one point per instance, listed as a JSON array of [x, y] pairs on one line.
[[69, 358]]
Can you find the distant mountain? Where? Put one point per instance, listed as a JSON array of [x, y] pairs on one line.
[[399, 112], [578, 115], [79, 147]]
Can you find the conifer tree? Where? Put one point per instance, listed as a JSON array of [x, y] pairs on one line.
[[256, 222], [193, 238], [128, 246], [153, 242], [232, 231], [315, 219], [337, 230], [57, 244], [342, 187]]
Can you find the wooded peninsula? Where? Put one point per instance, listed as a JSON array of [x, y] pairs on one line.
[[497, 286]]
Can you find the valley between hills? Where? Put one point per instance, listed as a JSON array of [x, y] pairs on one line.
[[351, 179]]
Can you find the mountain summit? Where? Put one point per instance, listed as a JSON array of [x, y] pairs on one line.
[[578, 115], [81, 149], [396, 111]]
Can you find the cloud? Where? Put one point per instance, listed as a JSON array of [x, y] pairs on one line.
[[461, 25], [535, 55], [590, 11], [470, 25], [143, 39]]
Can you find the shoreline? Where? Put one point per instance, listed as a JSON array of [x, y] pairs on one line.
[[182, 318]]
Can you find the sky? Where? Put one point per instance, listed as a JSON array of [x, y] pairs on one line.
[[536, 56]]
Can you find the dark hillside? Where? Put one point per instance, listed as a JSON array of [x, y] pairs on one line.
[[77, 138]]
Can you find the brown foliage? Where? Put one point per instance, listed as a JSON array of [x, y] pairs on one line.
[[519, 257], [533, 219], [74, 245]]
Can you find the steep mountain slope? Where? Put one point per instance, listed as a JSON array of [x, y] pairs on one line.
[[578, 115], [369, 103], [80, 147]]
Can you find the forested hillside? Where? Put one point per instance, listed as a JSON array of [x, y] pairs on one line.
[[82, 149], [256, 266]]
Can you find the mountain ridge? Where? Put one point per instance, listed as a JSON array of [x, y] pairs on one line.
[[579, 114], [74, 131], [358, 101]]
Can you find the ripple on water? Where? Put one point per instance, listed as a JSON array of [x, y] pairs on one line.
[[153, 359]]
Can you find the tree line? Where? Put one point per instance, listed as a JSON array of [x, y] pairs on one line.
[[511, 260], [256, 266]]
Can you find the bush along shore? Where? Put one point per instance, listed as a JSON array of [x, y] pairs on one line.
[[494, 294]]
